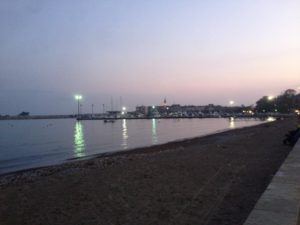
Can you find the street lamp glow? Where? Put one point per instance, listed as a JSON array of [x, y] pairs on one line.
[[78, 97], [270, 97], [153, 107], [124, 108], [231, 102]]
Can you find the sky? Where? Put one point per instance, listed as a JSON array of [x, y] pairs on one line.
[[142, 51]]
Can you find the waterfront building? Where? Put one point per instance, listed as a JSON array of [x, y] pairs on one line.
[[142, 110], [113, 114]]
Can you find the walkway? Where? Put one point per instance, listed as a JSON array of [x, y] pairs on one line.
[[279, 204]]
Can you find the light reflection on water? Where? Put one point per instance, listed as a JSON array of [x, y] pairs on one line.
[[124, 134], [271, 119], [154, 135], [231, 123], [79, 143], [32, 143]]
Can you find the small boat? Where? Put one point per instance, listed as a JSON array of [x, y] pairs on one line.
[[109, 121]]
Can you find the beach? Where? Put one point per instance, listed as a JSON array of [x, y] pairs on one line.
[[212, 180]]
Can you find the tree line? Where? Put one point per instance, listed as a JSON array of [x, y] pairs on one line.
[[287, 102]]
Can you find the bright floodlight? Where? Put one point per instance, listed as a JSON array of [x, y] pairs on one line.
[[153, 107], [124, 108], [231, 102], [270, 97], [78, 97]]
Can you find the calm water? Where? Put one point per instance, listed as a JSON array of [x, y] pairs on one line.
[[33, 143]]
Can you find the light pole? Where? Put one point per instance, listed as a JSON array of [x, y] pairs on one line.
[[123, 112], [78, 98], [272, 102], [231, 103]]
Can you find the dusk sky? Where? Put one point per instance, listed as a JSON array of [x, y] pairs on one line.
[[191, 52]]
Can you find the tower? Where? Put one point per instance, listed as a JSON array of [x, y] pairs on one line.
[[165, 101]]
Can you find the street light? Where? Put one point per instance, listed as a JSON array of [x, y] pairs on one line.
[[270, 97], [123, 110], [78, 98], [231, 102]]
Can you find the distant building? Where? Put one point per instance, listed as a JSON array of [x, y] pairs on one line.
[[162, 110], [114, 114], [175, 108], [153, 111], [142, 110], [24, 114]]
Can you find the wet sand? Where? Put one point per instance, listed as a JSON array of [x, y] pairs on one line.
[[212, 180]]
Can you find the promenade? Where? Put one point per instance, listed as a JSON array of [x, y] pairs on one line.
[[279, 205]]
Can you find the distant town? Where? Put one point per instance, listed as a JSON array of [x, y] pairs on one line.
[[288, 103]]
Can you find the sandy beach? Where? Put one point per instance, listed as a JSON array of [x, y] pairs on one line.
[[212, 180]]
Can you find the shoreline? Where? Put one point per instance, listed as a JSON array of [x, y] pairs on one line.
[[136, 150], [87, 117], [121, 151], [215, 179]]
